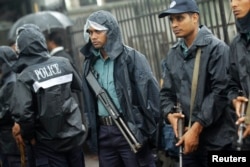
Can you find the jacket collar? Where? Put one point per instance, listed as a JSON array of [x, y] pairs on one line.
[[203, 38]]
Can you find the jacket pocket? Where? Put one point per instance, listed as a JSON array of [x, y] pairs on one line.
[[142, 124]]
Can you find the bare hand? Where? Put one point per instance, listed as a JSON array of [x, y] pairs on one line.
[[173, 118], [190, 139], [16, 129], [237, 103], [247, 127], [247, 131], [240, 120]]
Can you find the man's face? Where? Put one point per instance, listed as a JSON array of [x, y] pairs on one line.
[[97, 37], [183, 24], [240, 8], [49, 45]]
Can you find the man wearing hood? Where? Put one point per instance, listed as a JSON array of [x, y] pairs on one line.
[[43, 106], [129, 81], [210, 124], [240, 63], [8, 147]]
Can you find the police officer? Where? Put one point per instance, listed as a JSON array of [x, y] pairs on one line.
[[44, 109], [239, 62], [127, 77], [206, 119], [8, 147]]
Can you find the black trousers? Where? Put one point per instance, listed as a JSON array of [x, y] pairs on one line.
[[114, 151], [199, 158], [45, 157]]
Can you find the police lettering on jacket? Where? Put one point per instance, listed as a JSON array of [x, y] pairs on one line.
[[47, 71]]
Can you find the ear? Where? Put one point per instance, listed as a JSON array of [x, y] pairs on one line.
[[196, 17]]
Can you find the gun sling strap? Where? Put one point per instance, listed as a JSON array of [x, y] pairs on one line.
[[194, 83]]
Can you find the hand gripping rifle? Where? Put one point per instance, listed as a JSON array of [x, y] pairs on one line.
[[180, 129], [241, 127], [110, 107]]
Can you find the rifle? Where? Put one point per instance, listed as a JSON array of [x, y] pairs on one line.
[[241, 127], [110, 107], [180, 129]]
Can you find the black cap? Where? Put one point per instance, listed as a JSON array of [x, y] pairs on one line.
[[180, 6]]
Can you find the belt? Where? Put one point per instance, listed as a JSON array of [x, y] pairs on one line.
[[106, 121]]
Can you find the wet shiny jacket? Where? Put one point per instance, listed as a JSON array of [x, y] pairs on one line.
[[136, 87], [7, 81], [43, 103], [239, 66], [210, 104]]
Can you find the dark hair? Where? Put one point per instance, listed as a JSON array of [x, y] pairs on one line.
[[56, 37], [11, 42]]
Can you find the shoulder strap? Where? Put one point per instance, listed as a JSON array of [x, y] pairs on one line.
[[194, 83]]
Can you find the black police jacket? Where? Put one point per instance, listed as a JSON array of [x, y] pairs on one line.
[[43, 102]]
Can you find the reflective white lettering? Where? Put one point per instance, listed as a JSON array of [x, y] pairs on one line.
[[47, 71]]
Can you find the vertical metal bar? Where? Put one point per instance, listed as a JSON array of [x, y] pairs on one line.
[[172, 35], [203, 15], [224, 21], [139, 26], [153, 36], [210, 14], [129, 24], [144, 44], [162, 28], [216, 18]]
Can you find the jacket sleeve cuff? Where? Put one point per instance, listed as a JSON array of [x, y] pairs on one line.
[[165, 115]]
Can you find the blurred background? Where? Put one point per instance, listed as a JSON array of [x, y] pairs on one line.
[[141, 28]]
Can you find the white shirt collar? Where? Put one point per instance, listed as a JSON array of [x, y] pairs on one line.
[[55, 50]]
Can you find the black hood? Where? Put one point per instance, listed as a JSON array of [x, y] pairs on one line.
[[31, 46], [8, 58], [114, 45]]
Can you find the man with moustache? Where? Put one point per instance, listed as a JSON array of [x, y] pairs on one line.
[[208, 120]]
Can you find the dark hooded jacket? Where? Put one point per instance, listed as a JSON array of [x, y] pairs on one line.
[[240, 64], [43, 103], [240, 59], [135, 85], [7, 81], [210, 100]]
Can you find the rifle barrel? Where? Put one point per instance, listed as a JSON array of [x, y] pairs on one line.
[[241, 126], [180, 128]]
